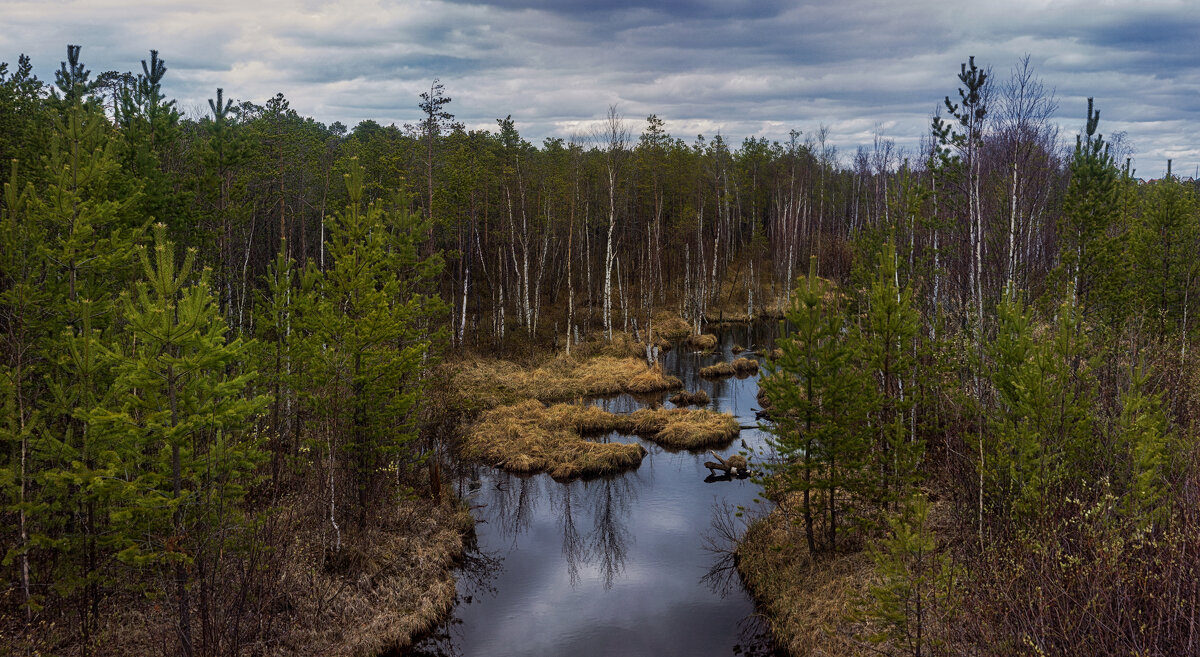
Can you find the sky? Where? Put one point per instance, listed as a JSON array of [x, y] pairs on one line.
[[741, 68]]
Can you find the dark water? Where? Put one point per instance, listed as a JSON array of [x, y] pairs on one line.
[[621, 565]]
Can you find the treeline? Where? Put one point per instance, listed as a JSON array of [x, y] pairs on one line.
[[178, 431], [1049, 406], [208, 319]]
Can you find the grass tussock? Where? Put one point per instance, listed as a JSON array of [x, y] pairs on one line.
[[677, 428], [744, 366], [702, 342], [528, 438], [491, 383], [737, 348], [671, 327], [692, 429], [806, 600], [717, 371], [652, 380], [685, 398]]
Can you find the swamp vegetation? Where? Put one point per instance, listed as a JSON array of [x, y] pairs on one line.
[[257, 372]]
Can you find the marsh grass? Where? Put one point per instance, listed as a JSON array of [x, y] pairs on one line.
[[807, 600], [702, 342], [528, 437], [652, 380], [490, 383], [744, 366], [685, 398], [670, 326], [717, 371]]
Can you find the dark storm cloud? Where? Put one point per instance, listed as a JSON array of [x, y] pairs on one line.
[[740, 67]]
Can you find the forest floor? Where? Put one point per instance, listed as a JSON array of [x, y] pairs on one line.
[[388, 586]]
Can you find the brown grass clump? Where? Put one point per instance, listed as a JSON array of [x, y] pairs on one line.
[[806, 600], [692, 429], [671, 327], [718, 371], [704, 342], [744, 365], [652, 380], [491, 383], [737, 348], [527, 438], [777, 353], [685, 398]]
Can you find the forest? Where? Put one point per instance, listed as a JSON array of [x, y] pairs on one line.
[[230, 345]]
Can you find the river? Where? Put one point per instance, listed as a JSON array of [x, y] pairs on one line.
[[620, 565]]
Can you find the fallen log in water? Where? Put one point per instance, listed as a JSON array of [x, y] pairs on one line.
[[735, 466]]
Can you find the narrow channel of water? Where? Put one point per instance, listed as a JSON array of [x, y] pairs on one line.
[[616, 565]]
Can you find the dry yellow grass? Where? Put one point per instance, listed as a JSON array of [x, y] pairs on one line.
[[685, 398], [703, 342], [745, 365], [807, 601], [691, 429], [671, 326], [737, 349], [490, 383], [717, 371], [527, 438], [652, 380], [385, 588]]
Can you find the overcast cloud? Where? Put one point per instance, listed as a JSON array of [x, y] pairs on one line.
[[740, 67]]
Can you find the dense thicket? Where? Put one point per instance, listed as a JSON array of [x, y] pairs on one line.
[[202, 317]]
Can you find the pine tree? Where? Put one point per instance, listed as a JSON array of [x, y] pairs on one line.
[[890, 328], [1042, 428], [1093, 253], [915, 585], [1148, 444], [817, 395], [177, 423], [367, 317]]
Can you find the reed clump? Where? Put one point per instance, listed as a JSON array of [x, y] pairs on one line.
[[652, 380], [685, 398], [717, 371], [528, 438], [671, 327], [702, 342], [491, 383], [744, 366]]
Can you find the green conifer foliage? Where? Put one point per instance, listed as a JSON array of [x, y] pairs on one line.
[[915, 586], [1093, 259], [177, 423], [1149, 445], [817, 394], [368, 321], [1042, 431], [888, 334]]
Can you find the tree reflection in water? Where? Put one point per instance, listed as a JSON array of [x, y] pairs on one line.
[[572, 543], [610, 536]]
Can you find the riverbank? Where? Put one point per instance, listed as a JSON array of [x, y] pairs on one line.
[[386, 587], [806, 601]]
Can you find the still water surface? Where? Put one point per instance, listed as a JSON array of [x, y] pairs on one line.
[[617, 565]]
